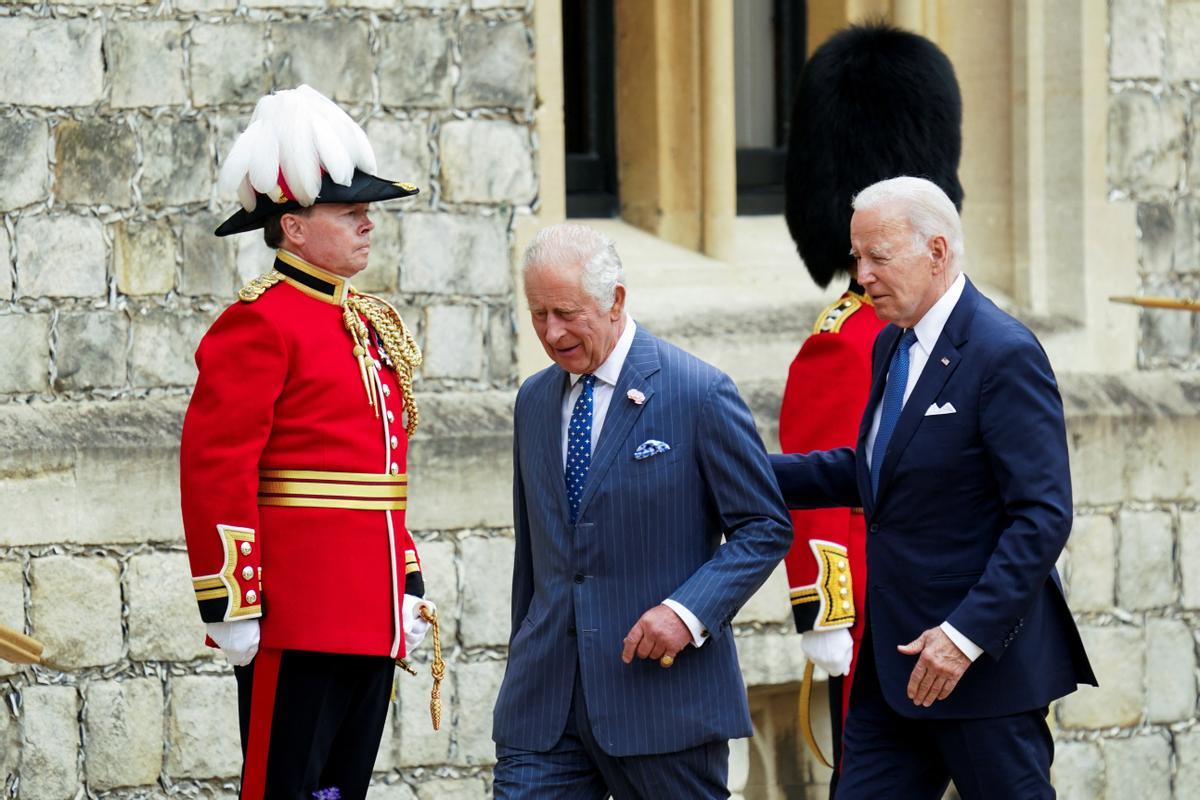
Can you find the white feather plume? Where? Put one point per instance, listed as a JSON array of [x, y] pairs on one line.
[[297, 132]]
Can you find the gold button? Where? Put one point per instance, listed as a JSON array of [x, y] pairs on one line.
[[251, 597], [391, 417], [842, 565], [246, 548], [395, 442], [843, 592], [387, 390], [395, 469], [247, 573], [842, 579], [845, 606]]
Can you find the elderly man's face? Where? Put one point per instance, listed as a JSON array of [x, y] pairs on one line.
[[334, 236], [575, 331], [903, 279]]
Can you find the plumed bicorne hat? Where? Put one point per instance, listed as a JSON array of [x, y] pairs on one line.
[[873, 102], [300, 149]]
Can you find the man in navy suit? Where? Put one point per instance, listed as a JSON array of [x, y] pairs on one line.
[[961, 469], [632, 459]]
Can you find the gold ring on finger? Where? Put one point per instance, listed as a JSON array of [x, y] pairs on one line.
[[666, 661]]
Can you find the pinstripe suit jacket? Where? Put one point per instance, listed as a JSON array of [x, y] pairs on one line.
[[647, 530]]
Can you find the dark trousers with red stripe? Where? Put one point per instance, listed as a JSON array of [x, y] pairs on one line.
[[311, 721]]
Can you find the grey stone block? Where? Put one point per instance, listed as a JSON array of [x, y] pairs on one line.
[[1156, 237], [454, 342], [770, 604], [1170, 671], [487, 591], [176, 166], [94, 162], [455, 254], [452, 789], [402, 150], [164, 347], [418, 744], [208, 260], [144, 257], [28, 335], [24, 162], [332, 57], [1118, 656], [1146, 136], [51, 742], [75, 609], [12, 614], [478, 685], [145, 62], [92, 350], [205, 5], [1145, 578], [383, 271], [1194, 156], [1183, 49], [768, 659], [164, 624], [501, 336], [414, 62], [6, 267], [1138, 35], [1078, 771], [487, 161], [389, 791], [60, 256], [226, 63], [50, 62], [10, 737], [1187, 760], [1165, 335], [1091, 575], [440, 571], [202, 726], [1136, 767], [483, 5], [497, 65], [1189, 557], [124, 732]]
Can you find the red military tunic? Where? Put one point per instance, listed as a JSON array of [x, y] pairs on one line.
[[293, 486], [827, 389]]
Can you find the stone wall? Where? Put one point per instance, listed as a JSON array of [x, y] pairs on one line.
[[1154, 160]]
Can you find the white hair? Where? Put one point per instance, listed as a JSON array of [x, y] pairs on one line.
[[572, 244], [926, 207]]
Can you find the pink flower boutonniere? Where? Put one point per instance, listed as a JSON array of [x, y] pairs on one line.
[[637, 397]]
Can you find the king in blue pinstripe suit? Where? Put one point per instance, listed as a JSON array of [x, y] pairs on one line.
[[622, 674]]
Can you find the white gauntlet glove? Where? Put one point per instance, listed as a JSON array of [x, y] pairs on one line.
[[238, 640], [829, 650], [415, 628]]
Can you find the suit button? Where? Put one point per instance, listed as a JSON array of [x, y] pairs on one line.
[[394, 442], [579, 577], [247, 573], [391, 417], [874, 528], [387, 390], [395, 469], [251, 597], [246, 548], [571, 631]]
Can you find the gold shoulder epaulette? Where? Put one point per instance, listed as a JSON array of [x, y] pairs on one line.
[[255, 288], [835, 315]]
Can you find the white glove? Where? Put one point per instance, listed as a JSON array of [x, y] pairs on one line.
[[238, 640], [829, 650], [415, 628]]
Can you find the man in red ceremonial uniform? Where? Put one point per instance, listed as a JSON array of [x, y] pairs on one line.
[[293, 461], [873, 102]]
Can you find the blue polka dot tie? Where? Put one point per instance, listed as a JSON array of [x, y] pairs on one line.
[[579, 446], [893, 403]]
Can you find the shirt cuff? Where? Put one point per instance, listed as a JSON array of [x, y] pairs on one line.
[[969, 648], [699, 632]]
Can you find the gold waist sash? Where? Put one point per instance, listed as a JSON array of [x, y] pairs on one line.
[[360, 491]]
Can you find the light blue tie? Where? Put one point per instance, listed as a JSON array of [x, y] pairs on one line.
[[893, 402], [579, 446]]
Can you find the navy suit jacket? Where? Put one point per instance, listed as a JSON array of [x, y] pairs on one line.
[[647, 530], [973, 510]]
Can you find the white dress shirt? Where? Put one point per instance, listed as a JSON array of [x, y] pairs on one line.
[[928, 330], [607, 375]]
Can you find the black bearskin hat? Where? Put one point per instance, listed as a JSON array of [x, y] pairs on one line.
[[873, 102]]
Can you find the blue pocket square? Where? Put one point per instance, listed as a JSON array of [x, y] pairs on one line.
[[650, 447]]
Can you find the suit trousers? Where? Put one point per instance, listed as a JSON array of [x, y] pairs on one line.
[[888, 755], [311, 721], [577, 768]]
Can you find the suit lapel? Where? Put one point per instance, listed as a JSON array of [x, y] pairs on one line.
[[548, 415], [942, 362], [890, 335], [640, 363]]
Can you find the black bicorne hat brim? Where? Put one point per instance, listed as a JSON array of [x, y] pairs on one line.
[[363, 188]]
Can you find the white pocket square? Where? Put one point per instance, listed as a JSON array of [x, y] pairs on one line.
[[935, 410], [650, 447]]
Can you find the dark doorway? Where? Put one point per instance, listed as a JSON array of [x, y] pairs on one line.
[[589, 109]]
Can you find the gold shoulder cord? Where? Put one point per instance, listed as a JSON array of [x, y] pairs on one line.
[[398, 343], [255, 288]]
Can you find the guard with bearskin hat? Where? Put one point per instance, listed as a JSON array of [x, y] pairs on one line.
[[873, 102], [293, 461]]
